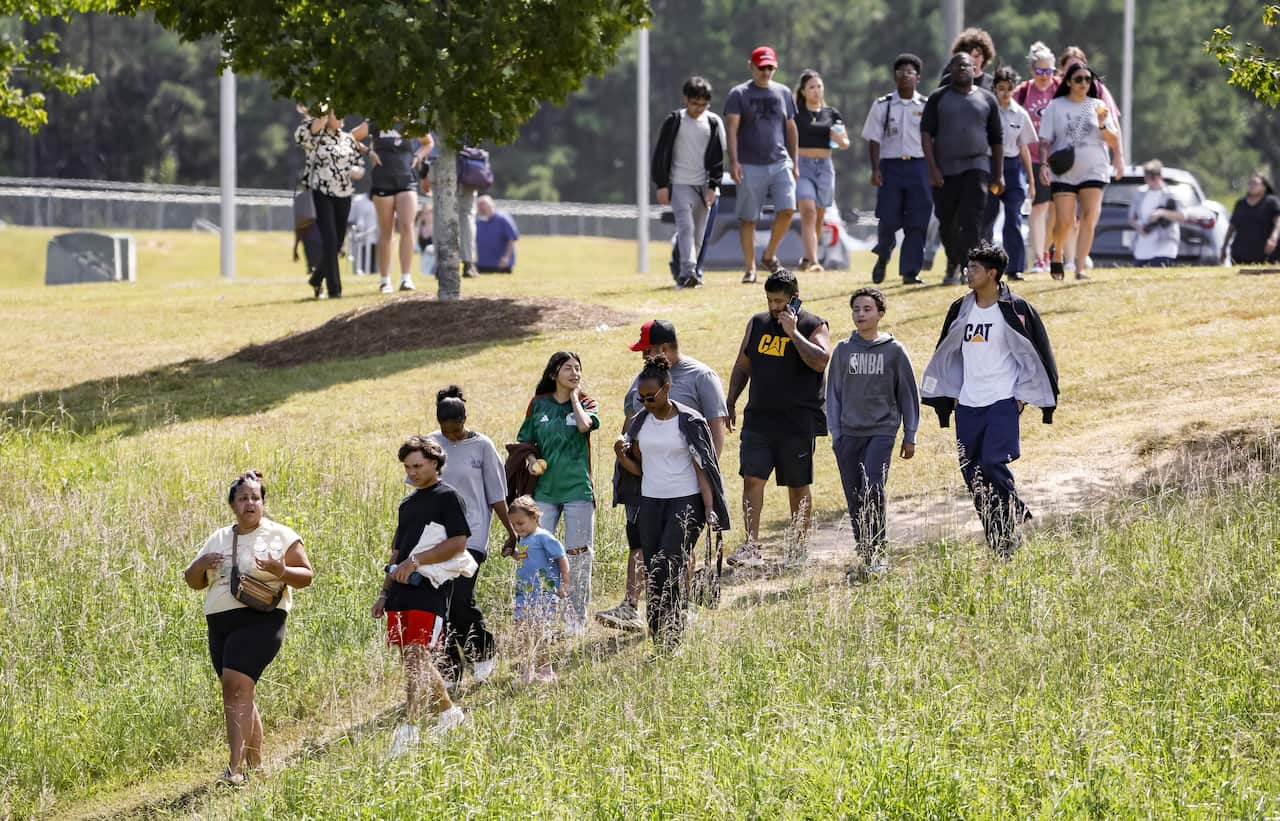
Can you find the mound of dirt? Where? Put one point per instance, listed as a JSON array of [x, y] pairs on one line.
[[418, 321]]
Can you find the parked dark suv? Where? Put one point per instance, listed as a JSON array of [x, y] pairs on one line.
[[1202, 233]]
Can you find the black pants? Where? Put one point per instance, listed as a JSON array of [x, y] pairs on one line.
[[669, 528], [959, 205], [466, 636], [331, 218]]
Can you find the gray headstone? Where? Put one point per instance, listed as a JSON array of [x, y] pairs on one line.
[[86, 256]]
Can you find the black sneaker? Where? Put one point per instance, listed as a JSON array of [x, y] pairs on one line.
[[953, 276], [912, 279], [1016, 276], [877, 271], [469, 270]]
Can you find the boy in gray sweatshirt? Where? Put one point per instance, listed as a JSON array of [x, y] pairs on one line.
[[871, 392]]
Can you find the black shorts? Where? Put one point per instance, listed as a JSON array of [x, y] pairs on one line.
[[790, 455], [1043, 194], [487, 269], [1067, 188], [245, 640], [633, 526], [388, 192]]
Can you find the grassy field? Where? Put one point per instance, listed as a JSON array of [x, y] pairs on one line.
[[1122, 666]]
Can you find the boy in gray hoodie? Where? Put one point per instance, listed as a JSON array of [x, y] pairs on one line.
[[871, 392]]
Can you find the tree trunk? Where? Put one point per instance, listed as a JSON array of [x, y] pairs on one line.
[[444, 196]]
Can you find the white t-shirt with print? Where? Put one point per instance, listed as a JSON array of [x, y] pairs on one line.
[[1066, 123], [269, 538], [990, 371], [1158, 242]]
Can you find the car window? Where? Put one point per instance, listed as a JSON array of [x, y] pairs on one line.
[[1122, 192]]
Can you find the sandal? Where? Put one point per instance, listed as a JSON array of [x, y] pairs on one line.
[[1057, 271], [231, 779], [771, 263]]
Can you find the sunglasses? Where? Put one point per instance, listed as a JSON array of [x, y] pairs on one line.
[[1081, 79], [766, 68], [1043, 72], [649, 398]]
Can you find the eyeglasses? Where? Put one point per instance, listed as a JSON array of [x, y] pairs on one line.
[[905, 70], [1043, 72], [1081, 79]]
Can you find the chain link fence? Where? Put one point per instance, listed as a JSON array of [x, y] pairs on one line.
[[94, 204]]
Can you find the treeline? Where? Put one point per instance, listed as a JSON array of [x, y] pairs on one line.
[[153, 116]]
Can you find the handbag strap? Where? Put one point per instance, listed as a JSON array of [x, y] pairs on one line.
[[235, 564]]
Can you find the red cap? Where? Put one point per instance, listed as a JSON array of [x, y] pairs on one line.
[[764, 56], [653, 333]]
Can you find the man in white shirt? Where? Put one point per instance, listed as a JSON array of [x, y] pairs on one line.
[[1155, 216], [904, 200]]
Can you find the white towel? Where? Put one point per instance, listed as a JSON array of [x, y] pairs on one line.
[[441, 572]]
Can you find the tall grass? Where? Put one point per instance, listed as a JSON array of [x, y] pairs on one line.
[[1123, 666]]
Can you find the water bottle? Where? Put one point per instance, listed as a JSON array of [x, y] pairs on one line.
[[415, 578], [838, 128]]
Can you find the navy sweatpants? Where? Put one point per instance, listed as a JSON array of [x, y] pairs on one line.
[[864, 468], [988, 440], [903, 201], [1015, 193]]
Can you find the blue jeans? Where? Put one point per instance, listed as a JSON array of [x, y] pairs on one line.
[[988, 440], [579, 531], [904, 202], [1015, 193]]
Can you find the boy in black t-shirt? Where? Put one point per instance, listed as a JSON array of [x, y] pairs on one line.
[[415, 608], [784, 355]]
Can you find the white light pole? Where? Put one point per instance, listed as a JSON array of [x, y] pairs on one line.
[[642, 151], [227, 170], [952, 22], [1126, 85]]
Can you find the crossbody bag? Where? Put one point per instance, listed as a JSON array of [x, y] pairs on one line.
[[252, 593]]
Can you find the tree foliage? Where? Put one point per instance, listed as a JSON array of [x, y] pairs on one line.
[[475, 71], [1249, 65], [30, 67]]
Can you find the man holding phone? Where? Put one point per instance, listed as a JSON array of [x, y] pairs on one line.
[[783, 355]]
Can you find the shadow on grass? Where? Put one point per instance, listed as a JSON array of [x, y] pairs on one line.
[[366, 343]]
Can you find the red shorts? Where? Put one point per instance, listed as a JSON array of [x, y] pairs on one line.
[[413, 627]]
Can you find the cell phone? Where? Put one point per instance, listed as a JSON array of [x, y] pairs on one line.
[[794, 304]]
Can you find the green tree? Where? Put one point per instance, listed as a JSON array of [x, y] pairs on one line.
[[1249, 66], [467, 71], [29, 67]]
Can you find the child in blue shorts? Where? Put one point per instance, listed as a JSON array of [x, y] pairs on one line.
[[542, 580]]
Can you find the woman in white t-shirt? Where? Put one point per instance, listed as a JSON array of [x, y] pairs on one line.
[[1077, 117], [676, 495], [243, 641]]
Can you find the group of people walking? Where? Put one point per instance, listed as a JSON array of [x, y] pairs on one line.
[[993, 357], [981, 142]]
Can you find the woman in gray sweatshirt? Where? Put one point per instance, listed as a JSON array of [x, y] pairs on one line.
[[871, 392]]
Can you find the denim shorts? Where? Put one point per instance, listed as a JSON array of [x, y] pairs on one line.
[[817, 181], [757, 181], [579, 521]]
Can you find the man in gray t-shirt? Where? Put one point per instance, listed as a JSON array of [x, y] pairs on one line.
[[962, 137], [693, 385], [760, 126]]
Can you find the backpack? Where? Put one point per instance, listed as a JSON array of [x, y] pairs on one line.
[[473, 168]]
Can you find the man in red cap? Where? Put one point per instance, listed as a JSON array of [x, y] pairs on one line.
[[693, 385], [760, 124]]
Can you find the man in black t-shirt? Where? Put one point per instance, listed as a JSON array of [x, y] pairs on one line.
[[416, 609], [783, 355]]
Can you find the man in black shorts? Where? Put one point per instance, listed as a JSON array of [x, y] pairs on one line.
[[783, 355]]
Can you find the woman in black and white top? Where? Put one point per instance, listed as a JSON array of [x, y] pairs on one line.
[[333, 163], [396, 160], [668, 446], [821, 128]]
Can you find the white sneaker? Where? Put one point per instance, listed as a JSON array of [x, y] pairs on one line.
[[406, 284], [404, 740], [484, 669], [748, 555], [1039, 267], [451, 719], [385, 287], [1088, 263]]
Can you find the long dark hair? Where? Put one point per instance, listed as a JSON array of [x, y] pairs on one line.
[[547, 384], [805, 76], [1064, 87]]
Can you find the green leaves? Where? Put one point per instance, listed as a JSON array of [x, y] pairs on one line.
[[1249, 65], [27, 67]]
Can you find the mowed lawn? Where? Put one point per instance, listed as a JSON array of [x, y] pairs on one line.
[[952, 688]]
